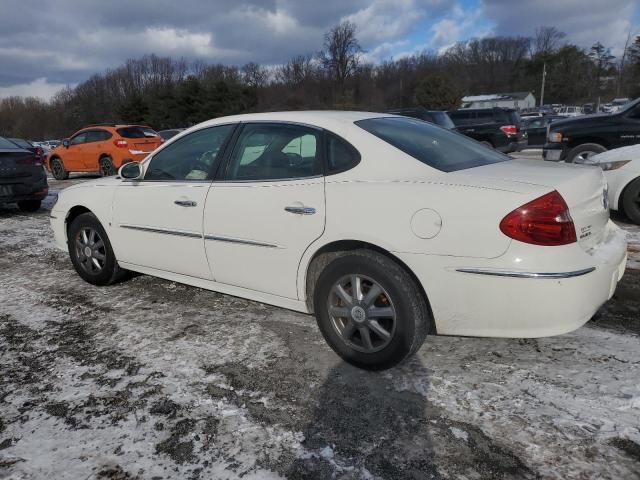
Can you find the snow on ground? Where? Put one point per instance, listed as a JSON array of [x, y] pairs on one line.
[[152, 379]]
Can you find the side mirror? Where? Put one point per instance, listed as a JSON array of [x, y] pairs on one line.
[[65, 143], [131, 171]]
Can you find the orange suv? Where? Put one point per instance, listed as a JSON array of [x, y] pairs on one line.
[[102, 148]]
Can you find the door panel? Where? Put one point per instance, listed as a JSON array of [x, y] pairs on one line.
[[154, 231], [252, 241]]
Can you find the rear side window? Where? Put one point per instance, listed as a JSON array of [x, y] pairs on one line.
[[341, 155], [439, 148], [136, 132], [7, 145]]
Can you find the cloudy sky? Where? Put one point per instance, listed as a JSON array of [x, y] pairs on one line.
[[45, 45]]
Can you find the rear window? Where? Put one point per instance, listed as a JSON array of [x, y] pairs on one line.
[[137, 132], [7, 145], [442, 119], [439, 148]]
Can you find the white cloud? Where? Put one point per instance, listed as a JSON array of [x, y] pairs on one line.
[[40, 88]]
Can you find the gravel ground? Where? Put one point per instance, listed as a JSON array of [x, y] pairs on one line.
[[151, 379]]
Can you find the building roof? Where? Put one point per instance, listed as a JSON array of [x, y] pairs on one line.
[[496, 96]]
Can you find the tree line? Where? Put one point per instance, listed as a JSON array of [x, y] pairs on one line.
[[166, 93]]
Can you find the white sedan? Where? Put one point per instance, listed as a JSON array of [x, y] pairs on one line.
[[386, 228], [622, 171]]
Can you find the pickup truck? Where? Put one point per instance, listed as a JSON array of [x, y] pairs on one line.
[[582, 137]]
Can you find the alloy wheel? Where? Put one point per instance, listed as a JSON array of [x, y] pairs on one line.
[[58, 170], [90, 250], [362, 313]]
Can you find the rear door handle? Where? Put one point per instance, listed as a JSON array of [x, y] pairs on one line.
[[300, 210], [185, 203]]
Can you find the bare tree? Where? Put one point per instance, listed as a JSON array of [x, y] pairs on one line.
[[341, 53], [546, 40], [255, 75]]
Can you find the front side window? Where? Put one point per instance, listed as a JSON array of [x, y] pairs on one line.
[[78, 139], [189, 158], [439, 148], [275, 152]]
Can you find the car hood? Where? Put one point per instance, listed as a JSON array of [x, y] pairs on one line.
[[582, 120], [631, 152]]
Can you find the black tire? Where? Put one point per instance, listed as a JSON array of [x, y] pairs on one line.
[[29, 205], [58, 170], [412, 317], [106, 167], [584, 149], [109, 272], [631, 201]]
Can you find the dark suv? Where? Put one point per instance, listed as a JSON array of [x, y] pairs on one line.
[[592, 134], [498, 128], [22, 177], [437, 117]]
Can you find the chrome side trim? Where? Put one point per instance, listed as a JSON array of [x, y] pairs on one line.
[[166, 231], [500, 273], [237, 240]]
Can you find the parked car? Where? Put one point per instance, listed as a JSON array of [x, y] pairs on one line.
[[102, 148], [570, 111], [385, 227], [536, 129], [497, 128], [437, 117], [38, 150], [618, 103], [170, 133], [22, 178], [593, 134], [622, 170], [535, 114]]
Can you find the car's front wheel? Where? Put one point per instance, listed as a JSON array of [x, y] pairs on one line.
[[370, 310], [91, 252], [631, 201], [58, 170]]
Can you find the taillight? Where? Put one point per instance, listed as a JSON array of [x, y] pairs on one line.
[[544, 221], [120, 143], [509, 129]]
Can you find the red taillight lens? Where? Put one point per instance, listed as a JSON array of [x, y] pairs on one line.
[[120, 143], [509, 129], [544, 221]]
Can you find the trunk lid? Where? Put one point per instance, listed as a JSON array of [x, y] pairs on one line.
[[583, 188]]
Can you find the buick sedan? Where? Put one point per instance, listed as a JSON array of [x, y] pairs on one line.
[[386, 228]]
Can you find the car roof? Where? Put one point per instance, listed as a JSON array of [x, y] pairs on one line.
[[321, 118]]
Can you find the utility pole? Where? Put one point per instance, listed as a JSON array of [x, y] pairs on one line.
[[544, 76]]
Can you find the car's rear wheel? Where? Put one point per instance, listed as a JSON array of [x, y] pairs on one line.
[[106, 167], [631, 201], [584, 152], [29, 205], [370, 310], [91, 252], [58, 170]]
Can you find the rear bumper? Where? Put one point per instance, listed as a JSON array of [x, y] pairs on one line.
[[16, 189], [494, 299]]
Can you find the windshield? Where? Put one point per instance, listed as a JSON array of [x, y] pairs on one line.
[[7, 145], [434, 146]]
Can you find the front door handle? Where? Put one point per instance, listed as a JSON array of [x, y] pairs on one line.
[[300, 210], [185, 203]]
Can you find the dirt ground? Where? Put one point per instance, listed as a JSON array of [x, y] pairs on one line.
[[151, 379]]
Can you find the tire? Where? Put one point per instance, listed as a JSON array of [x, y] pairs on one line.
[[586, 149], [631, 201], [106, 167], [29, 205], [58, 170], [98, 266], [341, 323]]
